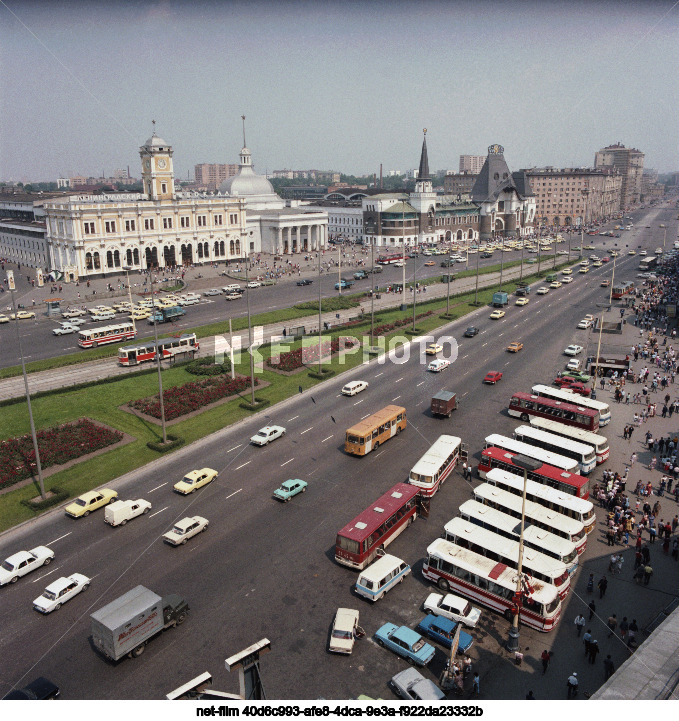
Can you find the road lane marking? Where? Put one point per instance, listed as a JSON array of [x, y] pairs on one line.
[[49, 543], [160, 511], [365, 416], [419, 384], [234, 448], [44, 575], [329, 437], [292, 419], [361, 401], [379, 374], [160, 486], [306, 431], [395, 399], [398, 380], [241, 466], [233, 494], [286, 462], [485, 344]]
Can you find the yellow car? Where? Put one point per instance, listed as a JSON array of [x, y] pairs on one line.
[[140, 314], [597, 264], [632, 252], [429, 263], [555, 284], [122, 307], [4, 319], [433, 349], [521, 301], [22, 315], [567, 271], [194, 480], [605, 283], [497, 314], [514, 347], [90, 501], [584, 269]]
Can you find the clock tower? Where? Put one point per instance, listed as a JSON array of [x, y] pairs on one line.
[[156, 168]]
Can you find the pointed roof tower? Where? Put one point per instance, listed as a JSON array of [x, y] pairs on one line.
[[494, 176], [423, 173]]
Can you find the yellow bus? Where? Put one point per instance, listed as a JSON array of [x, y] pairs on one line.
[[367, 434]]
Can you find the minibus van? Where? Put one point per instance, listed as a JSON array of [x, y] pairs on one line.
[[381, 576]]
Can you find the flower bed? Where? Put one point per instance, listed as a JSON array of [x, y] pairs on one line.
[[388, 327], [57, 446], [309, 353], [180, 400]]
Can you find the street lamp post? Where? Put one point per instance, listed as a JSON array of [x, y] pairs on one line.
[[320, 301], [250, 353], [414, 288], [476, 292], [158, 354], [527, 464]]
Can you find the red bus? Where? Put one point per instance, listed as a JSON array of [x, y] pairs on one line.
[[525, 405], [106, 334], [622, 289], [130, 355], [375, 528], [571, 483], [389, 258]]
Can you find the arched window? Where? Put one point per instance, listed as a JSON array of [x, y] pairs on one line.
[[129, 256], [97, 261], [238, 247], [221, 247], [109, 259], [200, 250], [231, 248], [206, 249], [88, 261], [215, 248], [136, 256], [116, 258]]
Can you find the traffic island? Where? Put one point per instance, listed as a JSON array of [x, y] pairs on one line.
[[172, 443], [53, 497], [322, 374], [258, 405]]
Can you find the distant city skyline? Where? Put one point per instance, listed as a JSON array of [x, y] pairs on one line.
[[333, 87]]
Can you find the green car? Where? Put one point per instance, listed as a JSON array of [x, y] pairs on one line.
[[576, 375], [290, 488]]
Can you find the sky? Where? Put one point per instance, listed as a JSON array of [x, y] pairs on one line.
[[343, 86]]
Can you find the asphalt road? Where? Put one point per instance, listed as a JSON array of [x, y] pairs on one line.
[[265, 569]]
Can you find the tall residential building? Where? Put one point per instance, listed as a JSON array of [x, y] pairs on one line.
[[629, 162], [211, 175], [472, 163], [574, 196], [459, 183]]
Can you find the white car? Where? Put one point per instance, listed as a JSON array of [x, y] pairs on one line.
[[194, 296], [438, 365], [75, 313], [212, 291], [344, 629], [453, 607], [542, 291], [253, 284], [3, 318], [267, 434], [60, 591], [65, 329], [351, 389], [188, 301], [573, 349], [398, 264], [97, 317], [411, 684], [567, 279], [233, 296], [186, 528], [585, 323], [23, 562]]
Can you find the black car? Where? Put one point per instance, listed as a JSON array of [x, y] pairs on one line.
[[471, 331], [304, 281], [39, 690], [486, 255]]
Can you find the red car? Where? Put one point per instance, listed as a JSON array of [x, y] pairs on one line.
[[605, 259], [493, 377], [562, 381], [577, 387]]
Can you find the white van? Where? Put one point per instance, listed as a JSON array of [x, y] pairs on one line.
[[374, 581], [232, 288], [97, 316], [351, 389]]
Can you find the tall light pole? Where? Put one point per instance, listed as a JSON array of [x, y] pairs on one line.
[[38, 465], [414, 289], [320, 301], [528, 464], [521, 268], [127, 270], [604, 307], [476, 292], [247, 298], [372, 292], [158, 355]]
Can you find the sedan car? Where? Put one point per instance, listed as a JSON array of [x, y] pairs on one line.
[[405, 642], [65, 329], [4, 318], [412, 685], [542, 290], [267, 434], [442, 630], [60, 591], [632, 252], [452, 607], [433, 348], [438, 365], [185, 300], [140, 314], [471, 331], [521, 301], [42, 689], [253, 284], [605, 283], [642, 252], [573, 349], [233, 296], [75, 313], [430, 263], [574, 375], [186, 528], [22, 315], [290, 488], [344, 630], [585, 323], [577, 387], [584, 269], [597, 264], [194, 480], [567, 271], [305, 281], [23, 562], [90, 501], [514, 347], [212, 291], [567, 279], [493, 377], [497, 314], [555, 284]]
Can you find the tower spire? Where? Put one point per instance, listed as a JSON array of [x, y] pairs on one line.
[[423, 173], [245, 145], [153, 122]]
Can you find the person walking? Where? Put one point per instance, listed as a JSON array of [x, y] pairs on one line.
[[579, 623], [545, 658], [648, 572], [587, 640], [624, 627], [572, 685], [476, 685], [609, 667], [602, 586], [612, 624], [592, 609], [593, 651], [590, 584]]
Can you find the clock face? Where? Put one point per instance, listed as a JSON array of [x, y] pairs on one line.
[[161, 163]]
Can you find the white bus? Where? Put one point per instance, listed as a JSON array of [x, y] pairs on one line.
[[508, 526], [580, 452], [551, 459], [537, 515], [599, 443], [106, 334], [483, 580], [559, 394], [435, 465], [498, 548], [579, 509]]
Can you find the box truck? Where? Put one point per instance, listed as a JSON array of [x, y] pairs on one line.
[[500, 299], [124, 626]]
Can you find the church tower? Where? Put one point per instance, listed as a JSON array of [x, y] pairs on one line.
[[423, 199], [156, 168]]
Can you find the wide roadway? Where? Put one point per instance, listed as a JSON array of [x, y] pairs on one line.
[[265, 569]]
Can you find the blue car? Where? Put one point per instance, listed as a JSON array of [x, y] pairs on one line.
[[290, 488], [344, 284], [405, 642], [442, 630]]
